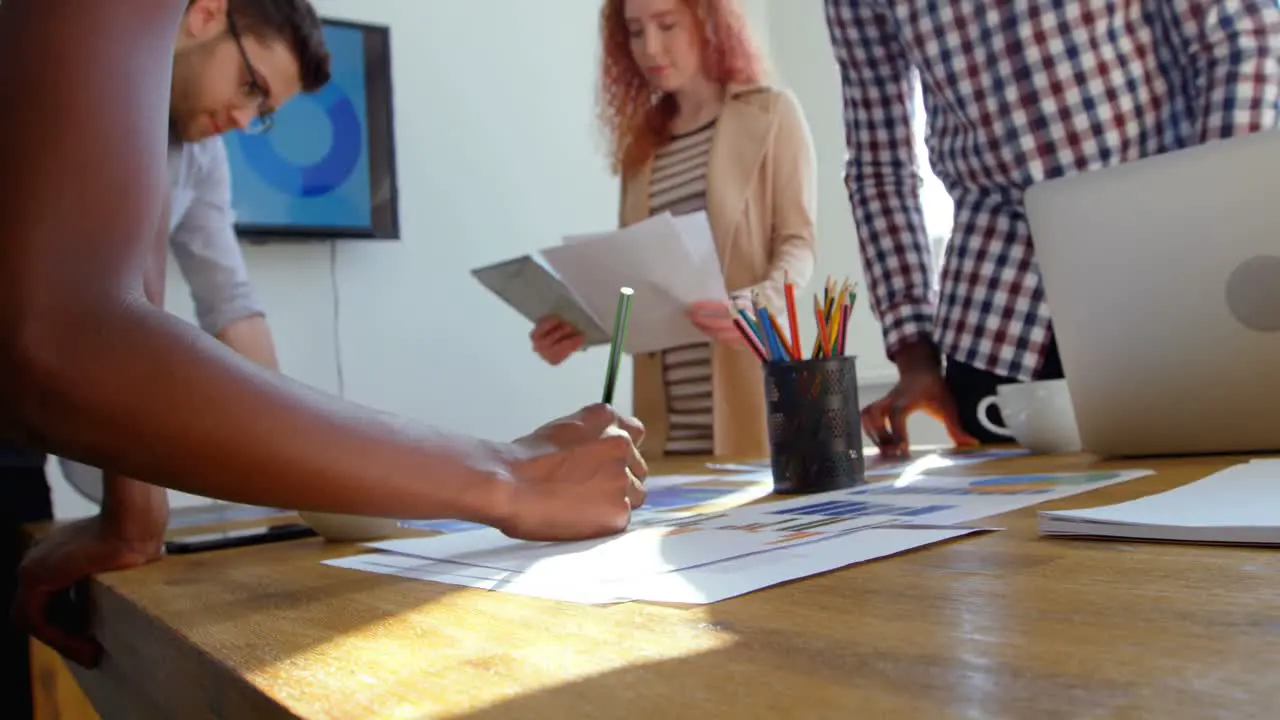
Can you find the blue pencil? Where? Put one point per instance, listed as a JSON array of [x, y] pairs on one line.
[[776, 350]]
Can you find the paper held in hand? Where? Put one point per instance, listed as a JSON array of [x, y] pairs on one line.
[[669, 261]]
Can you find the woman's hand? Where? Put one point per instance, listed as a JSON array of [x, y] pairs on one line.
[[715, 319], [554, 339]]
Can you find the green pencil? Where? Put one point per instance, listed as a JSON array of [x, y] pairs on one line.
[[615, 349]]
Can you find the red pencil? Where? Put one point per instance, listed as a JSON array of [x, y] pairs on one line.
[[843, 332], [792, 319]]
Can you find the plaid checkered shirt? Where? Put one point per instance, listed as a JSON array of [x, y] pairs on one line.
[[1017, 92]]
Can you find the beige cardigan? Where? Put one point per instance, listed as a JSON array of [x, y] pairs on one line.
[[761, 205]]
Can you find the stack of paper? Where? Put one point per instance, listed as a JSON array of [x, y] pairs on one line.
[[678, 553], [1236, 506], [670, 262]]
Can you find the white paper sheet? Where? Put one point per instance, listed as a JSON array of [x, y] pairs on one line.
[[1237, 505], [416, 568], [699, 585], [925, 499], [690, 541], [702, 557], [644, 551], [668, 264], [723, 580], [942, 500]]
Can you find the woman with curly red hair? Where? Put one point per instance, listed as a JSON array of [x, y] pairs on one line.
[[693, 127]]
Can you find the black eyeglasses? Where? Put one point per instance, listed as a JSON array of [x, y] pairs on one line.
[[254, 89]]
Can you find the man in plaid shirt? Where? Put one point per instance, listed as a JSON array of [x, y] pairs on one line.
[[1015, 93]]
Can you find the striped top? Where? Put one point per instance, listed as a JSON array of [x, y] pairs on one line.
[[679, 186]]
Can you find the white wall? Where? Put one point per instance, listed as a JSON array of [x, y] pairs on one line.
[[498, 155]]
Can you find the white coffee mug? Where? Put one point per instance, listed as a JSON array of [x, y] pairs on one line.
[[1037, 415]]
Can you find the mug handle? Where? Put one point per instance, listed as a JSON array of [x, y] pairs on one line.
[[984, 406]]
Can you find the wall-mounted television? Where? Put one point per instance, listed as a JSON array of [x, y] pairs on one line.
[[327, 167]]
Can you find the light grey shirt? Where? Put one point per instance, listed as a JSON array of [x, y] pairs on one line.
[[202, 235]]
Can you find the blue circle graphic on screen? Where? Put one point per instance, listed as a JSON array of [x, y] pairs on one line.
[[312, 169], [330, 171]]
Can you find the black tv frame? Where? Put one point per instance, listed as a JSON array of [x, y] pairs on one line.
[[381, 140]]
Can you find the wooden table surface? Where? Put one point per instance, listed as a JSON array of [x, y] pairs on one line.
[[1001, 625]]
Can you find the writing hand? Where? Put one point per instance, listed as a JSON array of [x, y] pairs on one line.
[[582, 491]]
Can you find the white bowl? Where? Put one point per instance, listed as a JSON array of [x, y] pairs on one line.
[[349, 528]]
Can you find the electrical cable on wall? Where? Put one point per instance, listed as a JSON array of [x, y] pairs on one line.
[[337, 316]]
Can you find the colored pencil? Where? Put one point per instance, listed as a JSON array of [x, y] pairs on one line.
[[751, 323], [770, 331], [615, 348], [824, 331], [792, 318], [834, 314], [841, 331], [783, 342], [752, 341], [764, 331]]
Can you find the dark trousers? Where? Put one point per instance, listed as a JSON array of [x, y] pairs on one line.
[[26, 499], [969, 386]]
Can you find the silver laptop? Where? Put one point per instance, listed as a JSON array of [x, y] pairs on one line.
[[1163, 280]]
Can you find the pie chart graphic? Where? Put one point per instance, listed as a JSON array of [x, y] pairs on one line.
[[323, 176], [311, 171]]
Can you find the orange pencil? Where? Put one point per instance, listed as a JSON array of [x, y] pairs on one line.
[[824, 332], [792, 320]]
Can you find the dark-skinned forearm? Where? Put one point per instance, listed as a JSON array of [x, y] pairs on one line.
[[158, 400], [132, 510], [128, 505]]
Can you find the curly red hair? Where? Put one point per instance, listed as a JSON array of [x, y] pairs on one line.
[[637, 120]]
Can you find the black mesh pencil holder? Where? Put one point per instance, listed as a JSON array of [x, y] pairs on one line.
[[815, 430]]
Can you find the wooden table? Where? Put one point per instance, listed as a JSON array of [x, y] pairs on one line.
[[1003, 625]]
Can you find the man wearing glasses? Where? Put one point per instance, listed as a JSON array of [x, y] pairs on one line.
[[235, 62], [225, 78]]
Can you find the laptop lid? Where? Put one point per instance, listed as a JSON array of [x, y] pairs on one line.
[[1162, 277]]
